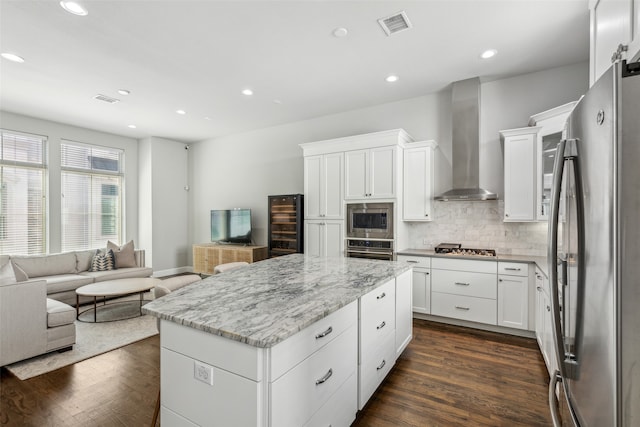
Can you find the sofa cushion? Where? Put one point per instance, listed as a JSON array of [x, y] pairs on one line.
[[46, 265], [125, 254], [103, 261], [59, 313], [84, 260], [123, 273], [7, 276], [65, 282], [21, 276]]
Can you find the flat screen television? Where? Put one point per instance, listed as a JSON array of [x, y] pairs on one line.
[[231, 226]]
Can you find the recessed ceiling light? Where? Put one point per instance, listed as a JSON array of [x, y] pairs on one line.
[[73, 7], [488, 54], [392, 78], [124, 91], [277, 101], [132, 126], [181, 112], [340, 32], [247, 92], [207, 118], [12, 57]]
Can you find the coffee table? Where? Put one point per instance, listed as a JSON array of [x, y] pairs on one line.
[[114, 288]]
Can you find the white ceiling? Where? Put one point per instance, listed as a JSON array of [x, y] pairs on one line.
[[199, 55]]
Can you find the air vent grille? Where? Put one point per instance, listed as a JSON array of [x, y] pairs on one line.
[[106, 98], [395, 23]]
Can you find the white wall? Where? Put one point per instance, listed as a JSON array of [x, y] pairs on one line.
[[163, 205], [242, 170], [55, 132]]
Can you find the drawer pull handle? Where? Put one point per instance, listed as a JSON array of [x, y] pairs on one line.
[[384, 362], [382, 295], [381, 325], [512, 269], [325, 333], [325, 377], [412, 262], [459, 307], [462, 284], [539, 288]]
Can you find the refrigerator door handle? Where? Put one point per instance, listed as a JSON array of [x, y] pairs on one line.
[[558, 171], [553, 399]]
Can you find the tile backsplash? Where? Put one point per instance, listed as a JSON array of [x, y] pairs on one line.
[[478, 225]]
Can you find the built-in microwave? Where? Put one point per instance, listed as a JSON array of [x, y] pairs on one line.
[[370, 220]]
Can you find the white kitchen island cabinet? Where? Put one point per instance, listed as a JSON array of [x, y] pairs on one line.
[[280, 342]]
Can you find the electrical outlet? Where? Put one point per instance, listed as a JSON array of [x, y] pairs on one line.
[[203, 372]]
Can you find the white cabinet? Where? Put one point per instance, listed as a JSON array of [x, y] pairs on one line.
[[323, 183], [544, 325], [519, 173], [324, 237], [613, 22], [371, 173], [417, 181], [404, 316], [421, 287], [513, 295]]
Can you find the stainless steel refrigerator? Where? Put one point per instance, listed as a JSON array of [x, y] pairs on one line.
[[594, 257]]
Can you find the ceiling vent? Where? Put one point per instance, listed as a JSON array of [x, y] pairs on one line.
[[106, 98], [395, 23]]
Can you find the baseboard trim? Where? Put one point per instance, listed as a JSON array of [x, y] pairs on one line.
[[173, 271], [481, 326]]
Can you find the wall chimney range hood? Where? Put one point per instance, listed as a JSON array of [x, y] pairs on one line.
[[465, 117]]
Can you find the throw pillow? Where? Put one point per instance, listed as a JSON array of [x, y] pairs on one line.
[[21, 276], [103, 261], [125, 254], [7, 276]]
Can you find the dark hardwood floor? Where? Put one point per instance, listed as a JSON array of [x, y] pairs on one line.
[[448, 376]]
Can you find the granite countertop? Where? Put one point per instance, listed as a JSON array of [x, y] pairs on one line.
[[541, 262], [266, 302]]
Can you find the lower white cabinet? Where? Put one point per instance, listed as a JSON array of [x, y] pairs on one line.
[[324, 237], [421, 288], [513, 295], [544, 325]]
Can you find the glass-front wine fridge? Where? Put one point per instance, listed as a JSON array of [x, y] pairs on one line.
[[286, 225]]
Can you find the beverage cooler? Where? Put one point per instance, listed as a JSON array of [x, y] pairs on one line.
[[286, 224]]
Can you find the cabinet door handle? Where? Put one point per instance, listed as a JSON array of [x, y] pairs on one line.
[[499, 280], [512, 269], [459, 307], [325, 333], [382, 295], [506, 215], [325, 377], [381, 325], [462, 284], [427, 273], [380, 366]]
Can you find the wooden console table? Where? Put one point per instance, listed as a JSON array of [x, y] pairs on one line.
[[207, 255]]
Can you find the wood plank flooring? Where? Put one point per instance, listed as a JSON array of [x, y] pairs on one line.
[[448, 376]]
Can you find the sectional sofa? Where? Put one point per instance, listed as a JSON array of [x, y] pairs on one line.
[[66, 272]]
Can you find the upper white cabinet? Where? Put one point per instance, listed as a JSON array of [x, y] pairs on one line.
[[323, 182], [417, 181], [613, 23], [371, 173], [519, 173]]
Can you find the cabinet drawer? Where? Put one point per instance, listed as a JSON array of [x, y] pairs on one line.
[[481, 285], [513, 268], [299, 393], [381, 296], [293, 350], [457, 264], [374, 367], [464, 307], [340, 409], [415, 261]]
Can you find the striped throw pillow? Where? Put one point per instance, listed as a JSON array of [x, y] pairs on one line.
[[103, 261]]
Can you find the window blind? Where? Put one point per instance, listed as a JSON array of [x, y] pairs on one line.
[[22, 193], [91, 181]]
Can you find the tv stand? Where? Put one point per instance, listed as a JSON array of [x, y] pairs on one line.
[[207, 255]]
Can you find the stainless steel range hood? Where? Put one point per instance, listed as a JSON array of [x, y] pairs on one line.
[[465, 117]]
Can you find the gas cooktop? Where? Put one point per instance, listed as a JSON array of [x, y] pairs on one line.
[[457, 249]]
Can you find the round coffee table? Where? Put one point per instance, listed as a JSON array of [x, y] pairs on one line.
[[114, 288]]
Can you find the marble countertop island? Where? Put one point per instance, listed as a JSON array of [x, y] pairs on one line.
[[266, 302]]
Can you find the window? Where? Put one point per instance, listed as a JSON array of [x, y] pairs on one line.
[[22, 193], [92, 180]]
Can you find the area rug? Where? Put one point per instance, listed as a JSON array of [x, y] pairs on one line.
[[92, 339]]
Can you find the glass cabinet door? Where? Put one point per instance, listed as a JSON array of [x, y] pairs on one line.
[[549, 148]]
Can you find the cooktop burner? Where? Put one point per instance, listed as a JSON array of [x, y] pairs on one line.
[[457, 249]]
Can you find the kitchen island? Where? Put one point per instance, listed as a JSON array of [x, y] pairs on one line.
[[294, 340]]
